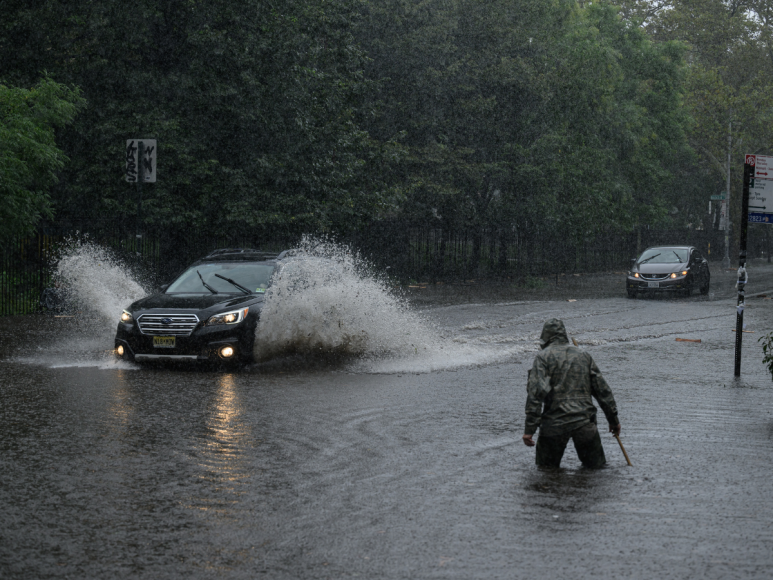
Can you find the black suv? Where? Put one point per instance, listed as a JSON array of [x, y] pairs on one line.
[[209, 313]]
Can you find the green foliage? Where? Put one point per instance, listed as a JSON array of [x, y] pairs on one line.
[[529, 113], [767, 351], [29, 157], [252, 105], [320, 115], [729, 84]]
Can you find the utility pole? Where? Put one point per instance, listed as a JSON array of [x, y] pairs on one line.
[[140, 181]]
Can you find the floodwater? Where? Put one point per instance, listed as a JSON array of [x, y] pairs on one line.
[[409, 466]]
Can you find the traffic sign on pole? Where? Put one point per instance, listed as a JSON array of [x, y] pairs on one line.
[[752, 164], [761, 200], [141, 157]]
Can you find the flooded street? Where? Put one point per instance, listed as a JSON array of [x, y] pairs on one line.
[[393, 467]]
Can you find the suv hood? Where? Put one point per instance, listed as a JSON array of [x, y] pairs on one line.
[[195, 301]]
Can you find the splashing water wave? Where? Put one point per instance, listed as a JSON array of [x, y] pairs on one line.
[[96, 282], [95, 286], [327, 300]]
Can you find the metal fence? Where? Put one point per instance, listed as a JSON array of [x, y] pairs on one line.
[[434, 254], [406, 252]]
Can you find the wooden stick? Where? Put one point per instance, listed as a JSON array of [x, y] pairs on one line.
[[623, 448]]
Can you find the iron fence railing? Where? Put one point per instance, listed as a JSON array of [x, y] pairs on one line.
[[404, 251]]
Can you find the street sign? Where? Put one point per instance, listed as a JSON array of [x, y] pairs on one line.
[[718, 197], [761, 195], [148, 160], [762, 166], [761, 218]]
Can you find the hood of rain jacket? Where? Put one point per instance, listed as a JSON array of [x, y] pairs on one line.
[[554, 332]]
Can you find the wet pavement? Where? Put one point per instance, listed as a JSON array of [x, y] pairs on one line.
[[323, 467]]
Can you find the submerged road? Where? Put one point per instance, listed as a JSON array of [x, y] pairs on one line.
[[327, 468]]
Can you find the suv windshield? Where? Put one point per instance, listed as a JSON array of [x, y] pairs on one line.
[[663, 256], [254, 277]]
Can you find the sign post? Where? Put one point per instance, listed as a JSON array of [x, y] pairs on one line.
[[140, 168], [748, 173], [756, 207]]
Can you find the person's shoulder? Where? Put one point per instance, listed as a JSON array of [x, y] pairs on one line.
[[576, 353]]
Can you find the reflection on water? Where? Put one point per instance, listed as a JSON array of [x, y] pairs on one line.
[[121, 408], [221, 451]]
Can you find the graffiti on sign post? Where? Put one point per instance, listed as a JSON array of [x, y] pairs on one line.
[[131, 161], [141, 154], [148, 158]]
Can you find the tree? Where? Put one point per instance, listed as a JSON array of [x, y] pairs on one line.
[[29, 157], [528, 114], [729, 80], [252, 103]]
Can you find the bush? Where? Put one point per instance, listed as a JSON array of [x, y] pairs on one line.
[[767, 350]]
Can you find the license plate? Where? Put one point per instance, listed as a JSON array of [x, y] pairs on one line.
[[163, 341], [653, 284]]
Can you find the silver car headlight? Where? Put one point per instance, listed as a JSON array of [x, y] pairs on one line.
[[233, 317], [126, 316]]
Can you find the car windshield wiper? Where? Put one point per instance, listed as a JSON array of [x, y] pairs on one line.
[[678, 257], [239, 286], [648, 259], [207, 286]]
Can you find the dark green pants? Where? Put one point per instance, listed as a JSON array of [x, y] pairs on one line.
[[586, 441]]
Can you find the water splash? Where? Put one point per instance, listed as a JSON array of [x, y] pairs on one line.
[[95, 282], [327, 300]]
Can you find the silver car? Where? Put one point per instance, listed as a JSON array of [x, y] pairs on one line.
[[669, 269]]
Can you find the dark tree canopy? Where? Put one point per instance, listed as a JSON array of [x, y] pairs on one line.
[[322, 115]]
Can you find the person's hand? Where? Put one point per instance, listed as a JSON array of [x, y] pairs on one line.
[[615, 430], [528, 441]]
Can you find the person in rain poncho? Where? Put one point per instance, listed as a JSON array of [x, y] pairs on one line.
[[562, 382]]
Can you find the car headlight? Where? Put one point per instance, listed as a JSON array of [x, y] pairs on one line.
[[635, 274], [684, 272], [673, 274], [126, 316], [233, 317]]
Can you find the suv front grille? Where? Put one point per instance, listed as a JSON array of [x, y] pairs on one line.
[[168, 324]]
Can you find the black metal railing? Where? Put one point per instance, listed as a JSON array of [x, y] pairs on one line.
[[405, 251]]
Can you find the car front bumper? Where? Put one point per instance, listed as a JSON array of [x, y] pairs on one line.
[[203, 344], [667, 285]]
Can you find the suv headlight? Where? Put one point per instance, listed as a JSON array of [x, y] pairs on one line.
[[233, 317], [126, 316]]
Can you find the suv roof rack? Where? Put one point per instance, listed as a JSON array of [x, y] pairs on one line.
[[240, 253]]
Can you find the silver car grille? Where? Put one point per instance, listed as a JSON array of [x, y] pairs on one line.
[[654, 276], [168, 324]]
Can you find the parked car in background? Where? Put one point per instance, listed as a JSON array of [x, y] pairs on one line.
[[208, 313], [669, 269]]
